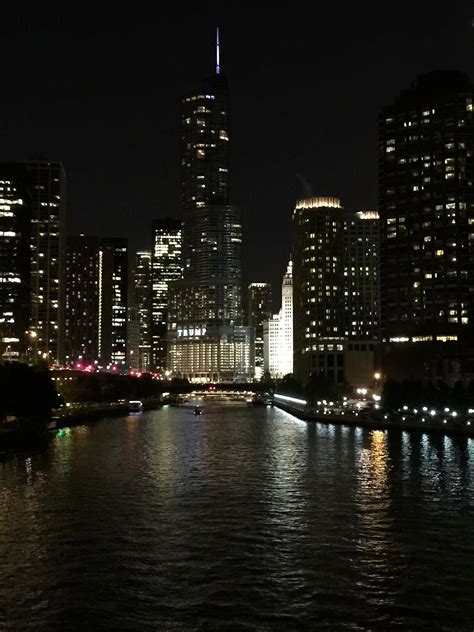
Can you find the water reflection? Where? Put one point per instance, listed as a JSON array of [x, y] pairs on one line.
[[241, 519]]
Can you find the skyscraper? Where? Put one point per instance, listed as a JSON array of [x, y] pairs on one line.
[[207, 340], [113, 302], [15, 268], [278, 332], [286, 322], [336, 291], [167, 267], [46, 182], [426, 189], [259, 310], [82, 299], [143, 293]]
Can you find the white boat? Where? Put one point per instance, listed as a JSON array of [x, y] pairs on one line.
[[135, 406]]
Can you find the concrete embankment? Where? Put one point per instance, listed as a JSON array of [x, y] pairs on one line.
[[365, 421]]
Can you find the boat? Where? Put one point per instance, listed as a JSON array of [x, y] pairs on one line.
[[197, 411], [135, 406]]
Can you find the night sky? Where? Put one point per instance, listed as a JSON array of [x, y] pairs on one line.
[[102, 94]]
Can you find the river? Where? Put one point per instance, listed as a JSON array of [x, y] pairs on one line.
[[241, 519]]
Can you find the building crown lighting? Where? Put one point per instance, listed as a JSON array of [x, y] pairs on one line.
[[319, 202]]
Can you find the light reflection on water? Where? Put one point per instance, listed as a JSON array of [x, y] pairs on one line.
[[238, 519]]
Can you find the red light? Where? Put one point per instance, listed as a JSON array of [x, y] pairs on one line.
[[78, 365]]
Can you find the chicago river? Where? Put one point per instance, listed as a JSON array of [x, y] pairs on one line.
[[238, 519]]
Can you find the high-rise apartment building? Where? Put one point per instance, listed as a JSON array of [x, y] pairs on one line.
[[46, 182], [15, 268], [82, 300], [259, 310], [113, 302], [166, 268], [336, 291], [207, 341], [426, 190], [143, 295]]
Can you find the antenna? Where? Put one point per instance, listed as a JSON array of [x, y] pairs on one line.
[[218, 54]]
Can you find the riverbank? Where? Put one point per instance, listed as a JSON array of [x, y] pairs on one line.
[[73, 415], [365, 421]]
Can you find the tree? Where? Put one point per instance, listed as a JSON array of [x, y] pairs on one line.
[[319, 387], [289, 385], [28, 393]]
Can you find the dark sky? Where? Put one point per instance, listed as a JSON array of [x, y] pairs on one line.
[[102, 93]]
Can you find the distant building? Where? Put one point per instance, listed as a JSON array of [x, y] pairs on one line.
[[167, 267], [278, 332], [46, 183], [336, 292], [15, 268], [286, 323], [82, 299], [113, 302], [207, 302], [272, 347], [143, 296], [48, 257], [426, 189], [259, 310]]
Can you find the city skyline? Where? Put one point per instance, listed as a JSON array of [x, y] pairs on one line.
[[315, 127]]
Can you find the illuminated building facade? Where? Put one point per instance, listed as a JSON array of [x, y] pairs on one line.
[[278, 332], [82, 299], [426, 191], [167, 267], [142, 288], [113, 302], [48, 182], [208, 298], [15, 269], [259, 310], [272, 346], [336, 291]]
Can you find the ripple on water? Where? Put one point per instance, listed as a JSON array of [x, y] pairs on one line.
[[245, 520]]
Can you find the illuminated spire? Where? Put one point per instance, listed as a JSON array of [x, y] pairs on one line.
[[218, 55]]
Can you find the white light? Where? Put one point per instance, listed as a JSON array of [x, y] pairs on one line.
[[291, 399], [446, 410], [454, 414], [425, 408], [376, 397], [405, 408], [432, 413]]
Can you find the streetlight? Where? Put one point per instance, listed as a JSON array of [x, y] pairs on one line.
[[377, 376], [33, 335]]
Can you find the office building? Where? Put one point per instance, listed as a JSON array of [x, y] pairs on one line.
[[278, 332], [15, 268], [113, 303], [142, 288], [82, 300], [272, 346], [259, 310], [336, 291], [207, 301], [426, 190], [167, 267]]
